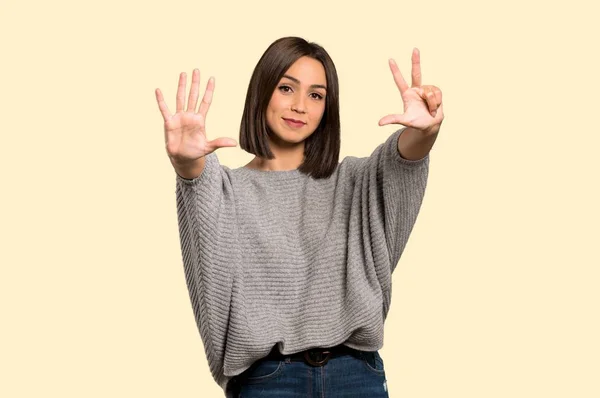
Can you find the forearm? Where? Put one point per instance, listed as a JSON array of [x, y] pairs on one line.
[[189, 170], [413, 144]]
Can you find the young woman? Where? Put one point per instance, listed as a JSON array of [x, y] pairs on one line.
[[288, 259]]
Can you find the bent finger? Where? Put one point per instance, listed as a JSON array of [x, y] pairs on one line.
[[431, 101], [439, 116], [436, 92], [438, 95]]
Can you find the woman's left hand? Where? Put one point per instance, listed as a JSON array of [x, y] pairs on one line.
[[423, 109]]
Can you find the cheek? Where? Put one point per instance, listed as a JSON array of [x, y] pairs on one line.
[[319, 111], [271, 117], [278, 102], [272, 109]]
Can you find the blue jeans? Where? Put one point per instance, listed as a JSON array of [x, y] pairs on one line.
[[346, 376]]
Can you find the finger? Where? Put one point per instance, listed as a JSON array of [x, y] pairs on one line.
[[435, 90], [416, 68], [193, 98], [398, 78], [429, 98], [431, 102], [162, 105], [438, 95], [181, 92], [439, 116], [392, 119], [221, 143], [207, 98]]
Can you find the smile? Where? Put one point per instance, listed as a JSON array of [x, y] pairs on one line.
[[294, 123]]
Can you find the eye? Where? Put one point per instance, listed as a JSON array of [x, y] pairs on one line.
[[287, 89]]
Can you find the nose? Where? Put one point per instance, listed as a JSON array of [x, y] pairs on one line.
[[298, 105]]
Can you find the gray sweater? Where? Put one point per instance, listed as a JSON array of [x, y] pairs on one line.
[[277, 257]]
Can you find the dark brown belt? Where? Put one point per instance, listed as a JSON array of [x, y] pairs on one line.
[[315, 356]]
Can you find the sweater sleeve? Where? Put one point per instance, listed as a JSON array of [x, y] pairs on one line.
[[391, 190], [206, 211]]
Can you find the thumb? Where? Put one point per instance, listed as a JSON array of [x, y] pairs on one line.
[[392, 119], [222, 142]]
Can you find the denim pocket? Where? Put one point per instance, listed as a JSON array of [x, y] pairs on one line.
[[374, 362], [261, 371]]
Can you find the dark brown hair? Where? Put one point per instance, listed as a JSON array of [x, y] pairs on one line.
[[322, 148]]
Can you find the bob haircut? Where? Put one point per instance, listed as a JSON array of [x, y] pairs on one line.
[[322, 148]]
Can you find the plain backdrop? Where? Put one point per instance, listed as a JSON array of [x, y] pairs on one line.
[[497, 292]]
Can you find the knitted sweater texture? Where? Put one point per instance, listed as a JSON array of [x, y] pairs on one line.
[[277, 257]]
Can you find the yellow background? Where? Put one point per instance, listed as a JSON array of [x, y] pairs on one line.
[[497, 292]]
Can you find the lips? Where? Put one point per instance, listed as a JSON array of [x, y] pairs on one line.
[[294, 120]]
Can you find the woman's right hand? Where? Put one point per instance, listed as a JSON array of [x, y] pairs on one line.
[[185, 133]]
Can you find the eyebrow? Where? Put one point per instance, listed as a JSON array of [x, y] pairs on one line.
[[311, 86]]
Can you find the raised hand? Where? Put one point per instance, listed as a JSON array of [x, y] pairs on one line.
[[423, 108], [185, 132]]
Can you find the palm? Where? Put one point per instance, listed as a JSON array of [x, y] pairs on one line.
[[185, 132], [187, 137], [416, 112], [423, 108]]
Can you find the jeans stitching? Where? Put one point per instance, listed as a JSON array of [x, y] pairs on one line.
[[271, 375], [379, 372]]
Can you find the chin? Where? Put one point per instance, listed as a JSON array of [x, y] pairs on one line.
[[288, 137]]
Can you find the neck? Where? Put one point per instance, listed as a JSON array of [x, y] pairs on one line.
[[287, 157]]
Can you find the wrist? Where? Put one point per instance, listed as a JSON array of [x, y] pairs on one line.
[[188, 169]]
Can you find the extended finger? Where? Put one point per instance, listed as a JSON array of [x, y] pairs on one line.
[[207, 98], [392, 119], [221, 143], [398, 78], [181, 92], [193, 98], [416, 68], [162, 105]]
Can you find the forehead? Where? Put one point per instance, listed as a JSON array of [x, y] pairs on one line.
[[308, 71]]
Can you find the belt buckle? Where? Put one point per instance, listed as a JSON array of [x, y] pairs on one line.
[[319, 361]]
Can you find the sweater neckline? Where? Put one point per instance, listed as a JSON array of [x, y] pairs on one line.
[[271, 172], [270, 175]]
